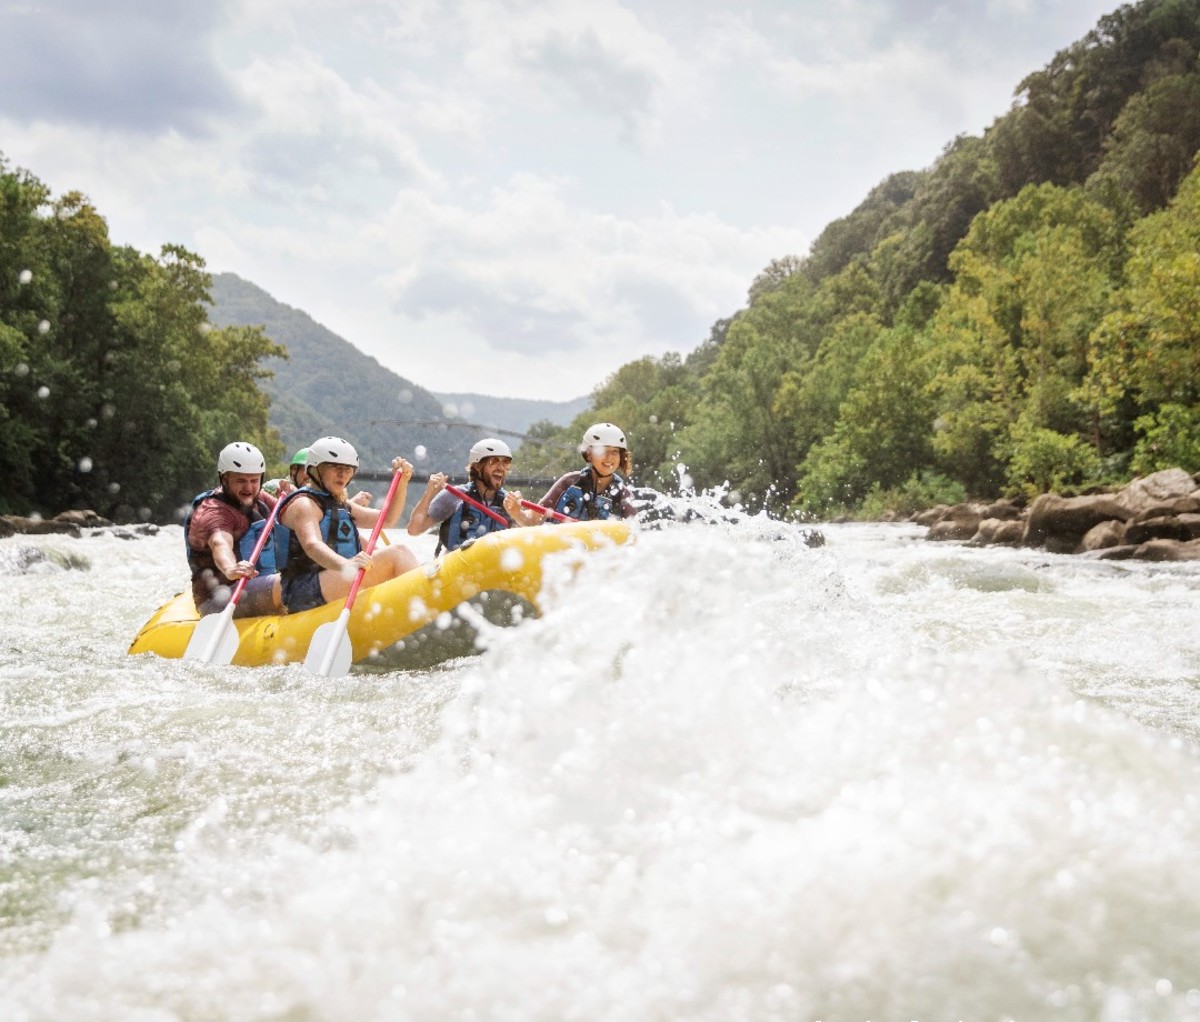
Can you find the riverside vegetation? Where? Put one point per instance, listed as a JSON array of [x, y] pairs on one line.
[[1020, 317]]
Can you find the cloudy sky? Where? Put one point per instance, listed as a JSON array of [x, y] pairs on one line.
[[509, 197]]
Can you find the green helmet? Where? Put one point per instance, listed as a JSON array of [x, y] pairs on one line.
[[300, 457]]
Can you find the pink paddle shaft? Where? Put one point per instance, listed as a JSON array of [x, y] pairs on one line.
[[370, 548]]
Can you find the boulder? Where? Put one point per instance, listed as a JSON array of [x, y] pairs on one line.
[[1162, 527], [998, 532], [1189, 504], [959, 522], [41, 526], [1004, 509], [930, 516], [1124, 552], [1156, 488], [1168, 550], [1010, 533], [85, 519], [1191, 522], [1060, 523], [1103, 536]]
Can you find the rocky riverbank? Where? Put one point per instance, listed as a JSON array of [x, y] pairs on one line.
[[1155, 518], [71, 523]]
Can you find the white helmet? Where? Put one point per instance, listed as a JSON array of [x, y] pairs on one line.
[[489, 447], [241, 457], [333, 450], [602, 434]]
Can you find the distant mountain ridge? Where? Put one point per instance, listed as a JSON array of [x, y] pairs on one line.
[[328, 386], [512, 415]]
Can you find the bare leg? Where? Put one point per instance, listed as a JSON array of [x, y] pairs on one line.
[[385, 564]]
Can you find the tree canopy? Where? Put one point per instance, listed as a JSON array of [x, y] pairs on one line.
[[1021, 315], [115, 390]]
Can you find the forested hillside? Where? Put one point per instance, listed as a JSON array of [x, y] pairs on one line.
[[115, 391], [1024, 314], [327, 385]]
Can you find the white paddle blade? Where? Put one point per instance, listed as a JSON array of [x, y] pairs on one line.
[[214, 640], [330, 653]]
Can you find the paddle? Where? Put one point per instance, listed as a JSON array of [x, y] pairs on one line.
[[330, 652], [475, 504], [215, 638], [500, 518], [557, 515]]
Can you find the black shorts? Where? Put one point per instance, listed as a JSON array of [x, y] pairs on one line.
[[302, 592], [257, 599]]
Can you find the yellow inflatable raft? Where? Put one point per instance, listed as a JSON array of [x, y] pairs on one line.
[[406, 619]]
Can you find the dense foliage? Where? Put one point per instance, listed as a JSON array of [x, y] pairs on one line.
[[115, 391], [1022, 315]]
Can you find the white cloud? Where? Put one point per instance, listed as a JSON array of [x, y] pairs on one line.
[[517, 196]]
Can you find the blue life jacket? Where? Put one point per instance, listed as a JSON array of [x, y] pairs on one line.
[[337, 529], [581, 501], [202, 560], [469, 523]]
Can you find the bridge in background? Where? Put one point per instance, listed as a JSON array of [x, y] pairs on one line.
[[422, 476]]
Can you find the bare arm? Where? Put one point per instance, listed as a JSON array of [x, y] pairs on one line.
[[366, 517], [225, 557], [303, 517], [420, 520], [512, 506]]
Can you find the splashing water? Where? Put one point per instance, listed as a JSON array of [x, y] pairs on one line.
[[724, 776]]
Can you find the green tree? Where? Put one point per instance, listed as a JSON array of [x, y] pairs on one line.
[[882, 434], [1146, 352], [1033, 277], [1169, 437], [113, 393], [1040, 460], [1153, 143]]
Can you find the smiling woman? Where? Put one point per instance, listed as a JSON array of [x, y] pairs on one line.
[[597, 491], [324, 554]]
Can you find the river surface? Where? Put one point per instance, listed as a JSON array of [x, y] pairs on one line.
[[725, 776]]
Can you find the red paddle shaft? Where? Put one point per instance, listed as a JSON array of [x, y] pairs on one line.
[[256, 553], [370, 548], [500, 518]]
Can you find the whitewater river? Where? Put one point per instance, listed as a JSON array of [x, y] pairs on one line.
[[724, 777]]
